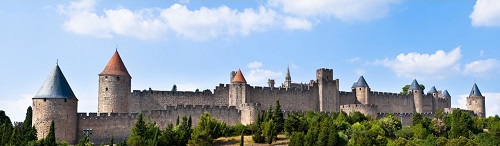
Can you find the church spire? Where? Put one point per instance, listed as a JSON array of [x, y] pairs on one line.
[[288, 78]]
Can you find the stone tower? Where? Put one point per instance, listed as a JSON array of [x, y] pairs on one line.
[[475, 101], [56, 101], [328, 90], [435, 98], [447, 96], [114, 87], [418, 96], [288, 79], [238, 90], [362, 90]]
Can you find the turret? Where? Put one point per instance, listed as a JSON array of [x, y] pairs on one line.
[[435, 98], [114, 87], [288, 79], [447, 96], [476, 101], [328, 90], [238, 90], [362, 90], [417, 92], [55, 101], [270, 83]]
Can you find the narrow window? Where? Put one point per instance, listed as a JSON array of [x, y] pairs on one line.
[[106, 88], [117, 78]]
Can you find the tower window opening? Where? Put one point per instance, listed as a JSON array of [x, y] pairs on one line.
[[106, 88], [117, 78]]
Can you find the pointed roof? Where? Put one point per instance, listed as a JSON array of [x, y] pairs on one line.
[[414, 85], [446, 94], [361, 82], [354, 85], [288, 73], [55, 86], [475, 91], [238, 78], [115, 66], [433, 90]]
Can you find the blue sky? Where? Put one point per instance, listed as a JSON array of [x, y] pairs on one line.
[[195, 44]]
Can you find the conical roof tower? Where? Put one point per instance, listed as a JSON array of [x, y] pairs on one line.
[[475, 91], [414, 85], [55, 86], [239, 78], [361, 82], [115, 66], [433, 90]]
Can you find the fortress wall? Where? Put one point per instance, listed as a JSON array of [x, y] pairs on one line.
[[119, 124], [392, 102], [347, 98], [290, 100], [157, 100], [443, 103], [427, 103], [363, 108]]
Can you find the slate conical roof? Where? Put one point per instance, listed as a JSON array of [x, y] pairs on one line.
[[55, 86], [414, 85], [354, 85], [115, 66], [361, 82], [433, 90], [475, 91], [446, 94], [238, 78], [288, 73]]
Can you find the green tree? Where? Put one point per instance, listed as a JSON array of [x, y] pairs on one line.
[[406, 87], [356, 116], [50, 140], [390, 124], [257, 136], [278, 118], [461, 123], [419, 132], [207, 130], [17, 134], [242, 138], [167, 137], [174, 88], [268, 131], [296, 139], [111, 141], [138, 132], [85, 141], [5, 128]]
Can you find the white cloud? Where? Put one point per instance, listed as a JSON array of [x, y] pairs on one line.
[[294, 66], [360, 72], [16, 109], [259, 76], [437, 65], [155, 23], [486, 13], [491, 100], [292, 23], [481, 67], [345, 10], [355, 59], [255, 64]]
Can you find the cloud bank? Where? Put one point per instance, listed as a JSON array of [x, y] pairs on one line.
[[486, 13], [211, 23]]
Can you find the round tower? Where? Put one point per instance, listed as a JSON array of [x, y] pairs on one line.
[[435, 98], [417, 92], [476, 102], [55, 101], [237, 90], [114, 87], [362, 91]]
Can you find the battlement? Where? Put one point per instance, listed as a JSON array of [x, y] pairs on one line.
[[280, 89], [222, 87], [325, 69], [358, 105], [174, 93], [387, 93], [107, 116]]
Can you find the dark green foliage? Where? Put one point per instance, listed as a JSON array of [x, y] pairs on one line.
[[177, 121], [460, 141], [50, 140], [356, 116], [111, 141], [405, 132], [295, 123], [461, 124], [390, 124], [278, 118], [5, 128], [85, 141], [296, 139], [167, 137], [269, 131], [174, 88], [257, 136], [207, 130], [242, 138]]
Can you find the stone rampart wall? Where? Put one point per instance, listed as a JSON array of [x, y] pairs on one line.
[[347, 98], [392, 102], [290, 99], [119, 124], [158, 100]]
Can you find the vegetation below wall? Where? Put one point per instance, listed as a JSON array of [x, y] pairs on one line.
[[311, 128]]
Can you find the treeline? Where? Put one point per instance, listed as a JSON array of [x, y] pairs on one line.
[[21, 133], [308, 129]]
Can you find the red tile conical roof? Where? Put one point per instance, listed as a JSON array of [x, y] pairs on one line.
[[238, 78], [115, 66]]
